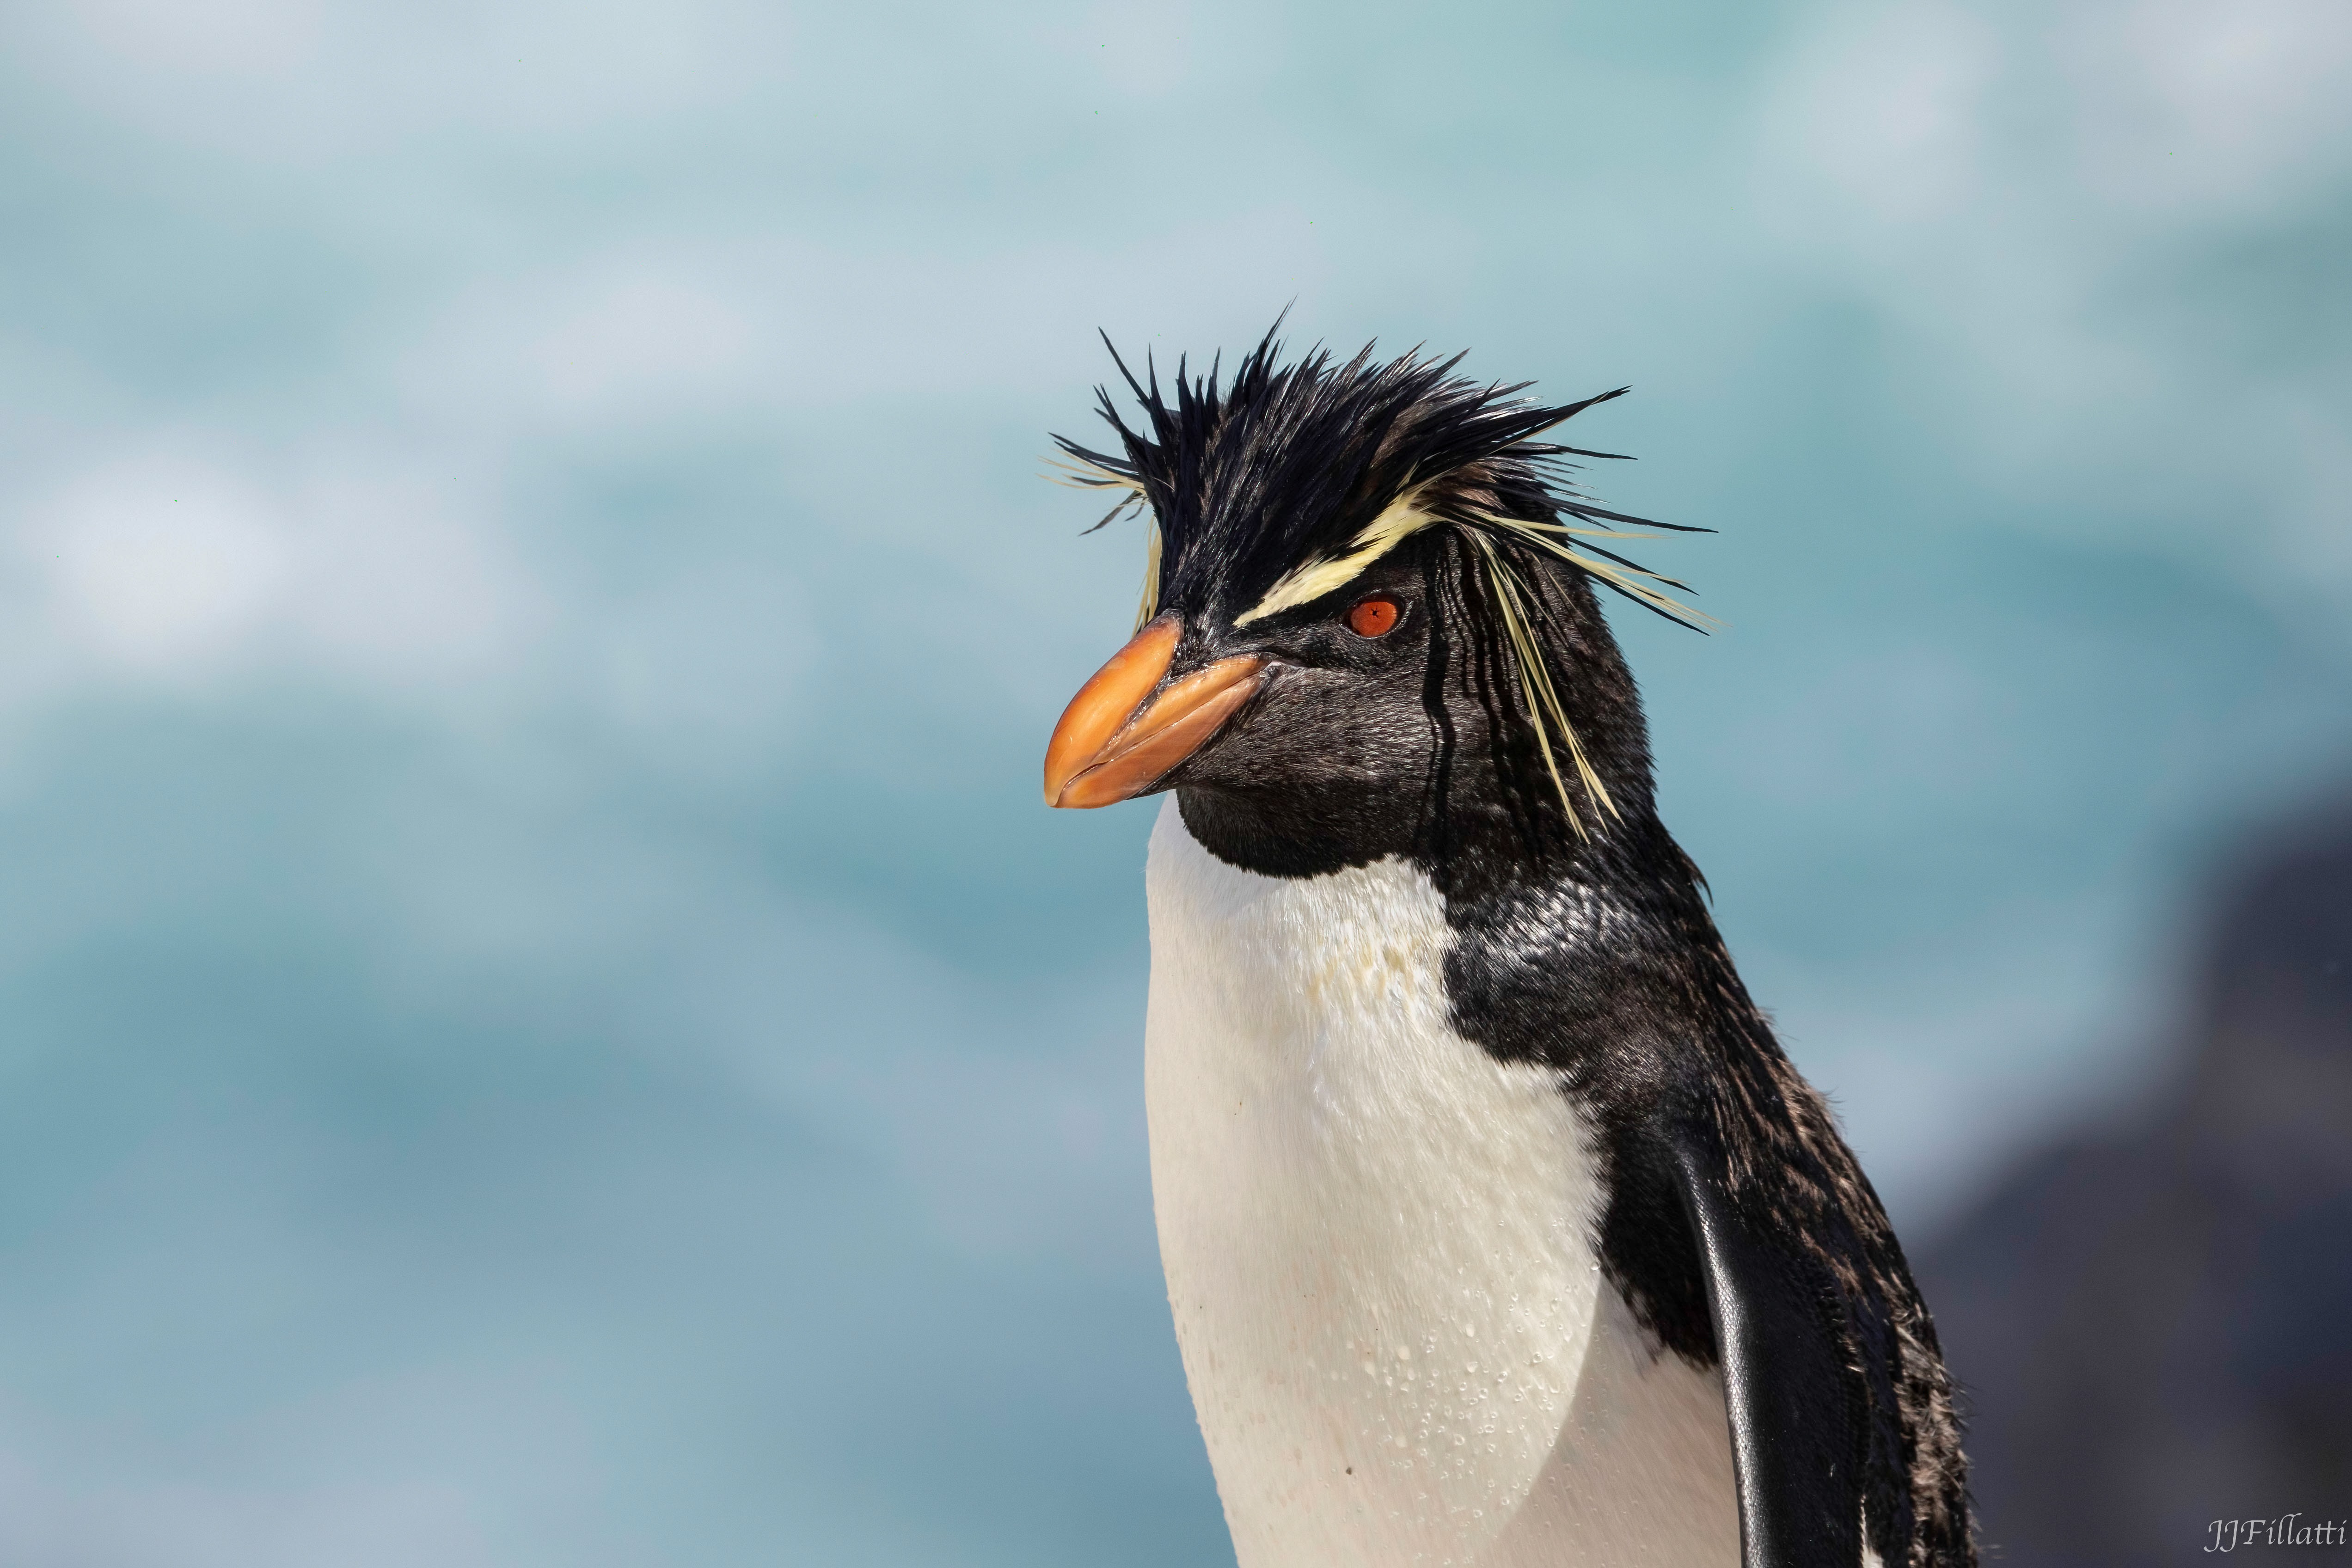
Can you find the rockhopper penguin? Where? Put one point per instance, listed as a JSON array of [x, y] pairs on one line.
[[1498, 1228]]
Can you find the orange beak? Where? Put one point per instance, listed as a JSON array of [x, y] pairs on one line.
[[1124, 732]]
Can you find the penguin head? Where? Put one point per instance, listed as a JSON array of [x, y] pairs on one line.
[[1368, 610]]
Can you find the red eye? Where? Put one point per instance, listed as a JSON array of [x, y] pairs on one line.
[[1374, 617]]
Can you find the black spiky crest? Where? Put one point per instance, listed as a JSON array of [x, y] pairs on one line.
[[1253, 483]]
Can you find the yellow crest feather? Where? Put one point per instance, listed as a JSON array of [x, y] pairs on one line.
[[1399, 521]]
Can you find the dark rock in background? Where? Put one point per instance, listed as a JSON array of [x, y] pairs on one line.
[[2154, 1321]]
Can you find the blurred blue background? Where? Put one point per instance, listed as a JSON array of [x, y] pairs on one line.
[[541, 1018]]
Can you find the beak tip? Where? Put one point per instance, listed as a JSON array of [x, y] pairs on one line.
[[1070, 798]]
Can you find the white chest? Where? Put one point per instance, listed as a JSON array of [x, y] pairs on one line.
[[1378, 1247]]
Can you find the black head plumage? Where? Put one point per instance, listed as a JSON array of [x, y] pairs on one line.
[[1278, 490]]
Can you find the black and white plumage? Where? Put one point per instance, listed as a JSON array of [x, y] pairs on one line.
[[1497, 1227]]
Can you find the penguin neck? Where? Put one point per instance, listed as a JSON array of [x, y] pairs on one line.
[[1595, 937], [1477, 847]]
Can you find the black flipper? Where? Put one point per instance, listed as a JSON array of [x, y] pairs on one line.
[[1796, 1407]]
